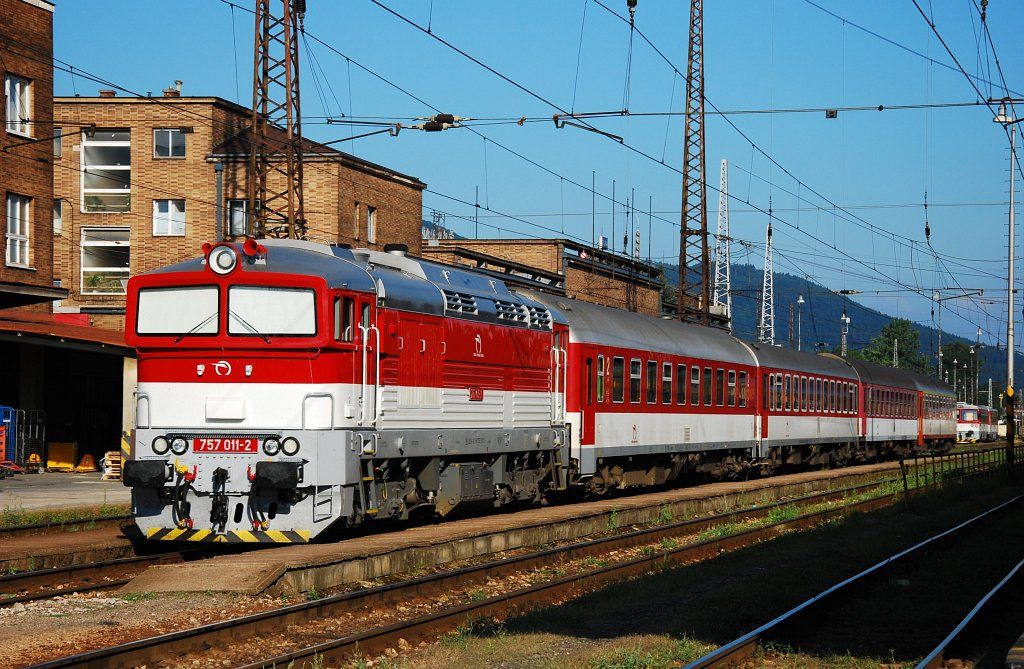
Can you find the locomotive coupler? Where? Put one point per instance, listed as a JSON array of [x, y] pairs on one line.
[[219, 502]]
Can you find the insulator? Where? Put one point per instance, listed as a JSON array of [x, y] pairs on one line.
[[443, 118], [300, 6], [434, 126], [927, 231]]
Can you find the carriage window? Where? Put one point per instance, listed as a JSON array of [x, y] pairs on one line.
[[766, 381], [732, 388], [787, 394], [666, 383], [777, 394], [680, 384], [344, 314], [743, 389], [590, 380], [707, 386], [652, 381], [853, 398], [618, 382], [600, 378], [634, 381], [803, 393], [695, 385], [720, 387], [817, 394]]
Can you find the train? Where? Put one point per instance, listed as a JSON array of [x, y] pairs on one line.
[[286, 387], [976, 423]]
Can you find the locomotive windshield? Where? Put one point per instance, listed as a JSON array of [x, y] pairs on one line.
[[177, 311], [260, 311]]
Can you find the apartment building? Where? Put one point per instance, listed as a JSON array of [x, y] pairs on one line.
[[143, 182], [26, 154]]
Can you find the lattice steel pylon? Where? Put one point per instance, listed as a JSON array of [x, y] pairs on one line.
[[766, 318], [722, 293], [275, 152], [694, 297]]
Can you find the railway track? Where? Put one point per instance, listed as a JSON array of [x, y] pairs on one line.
[[65, 526], [183, 643], [800, 621]]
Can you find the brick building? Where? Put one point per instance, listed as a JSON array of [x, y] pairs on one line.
[[560, 266], [26, 154], [137, 181]]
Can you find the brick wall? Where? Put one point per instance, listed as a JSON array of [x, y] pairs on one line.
[[332, 187], [26, 50]]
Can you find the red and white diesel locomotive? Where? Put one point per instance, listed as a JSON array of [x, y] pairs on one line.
[[289, 386]]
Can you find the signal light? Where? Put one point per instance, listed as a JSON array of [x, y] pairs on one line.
[[179, 446], [161, 445], [290, 446], [223, 260], [271, 446]]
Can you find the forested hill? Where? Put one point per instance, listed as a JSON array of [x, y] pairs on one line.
[[821, 313]]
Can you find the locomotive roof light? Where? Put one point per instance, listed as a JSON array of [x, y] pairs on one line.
[[222, 259], [271, 445], [161, 445], [290, 446], [179, 446]]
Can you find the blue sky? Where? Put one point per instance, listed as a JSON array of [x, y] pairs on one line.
[[765, 54]]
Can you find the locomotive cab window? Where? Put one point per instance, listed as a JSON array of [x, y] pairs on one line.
[[182, 310], [652, 381], [344, 315], [262, 311]]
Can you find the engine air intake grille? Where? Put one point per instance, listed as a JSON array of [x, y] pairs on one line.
[[508, 311], [460, 302], [539, 318]]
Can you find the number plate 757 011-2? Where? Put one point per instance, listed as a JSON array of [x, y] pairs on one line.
[[225, 445]]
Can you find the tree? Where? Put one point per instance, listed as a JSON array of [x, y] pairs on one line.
[[907, 354]]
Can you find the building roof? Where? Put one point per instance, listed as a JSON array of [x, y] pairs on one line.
[[238, 145], [46, 329]]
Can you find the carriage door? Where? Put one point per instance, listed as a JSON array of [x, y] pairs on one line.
[[587, 393]]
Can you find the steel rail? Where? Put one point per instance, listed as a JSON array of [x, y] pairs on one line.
[[743, 647], [936, 658], [150, 649]]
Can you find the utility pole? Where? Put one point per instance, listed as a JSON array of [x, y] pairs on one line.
[[895, 353], [275, 153], [766, 318], [843, 332], [694, 297], [799, 319], [1009, 122], [723, 272]]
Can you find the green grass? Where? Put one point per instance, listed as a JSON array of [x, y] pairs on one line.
[[16, 516], [132, 597], [641, 656]]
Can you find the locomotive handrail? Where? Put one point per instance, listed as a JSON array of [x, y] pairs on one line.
[[378, 408], [362, 388], [149, 409], [314, 395], [565, 383]]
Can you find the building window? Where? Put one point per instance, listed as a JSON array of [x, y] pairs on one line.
[[106, 170], [106, 253], [18, 228], [168, 218], [371, 225], [238, 212], [18, 93], [355, 222], [58, 136], [168, 143], [58, 216]]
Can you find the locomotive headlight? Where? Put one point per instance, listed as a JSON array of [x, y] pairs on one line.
[[179, 446], [223, 259], [271, 446], [161, 445], [290, 446]]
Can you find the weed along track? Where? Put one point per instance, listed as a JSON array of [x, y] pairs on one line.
[[399, 614]]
